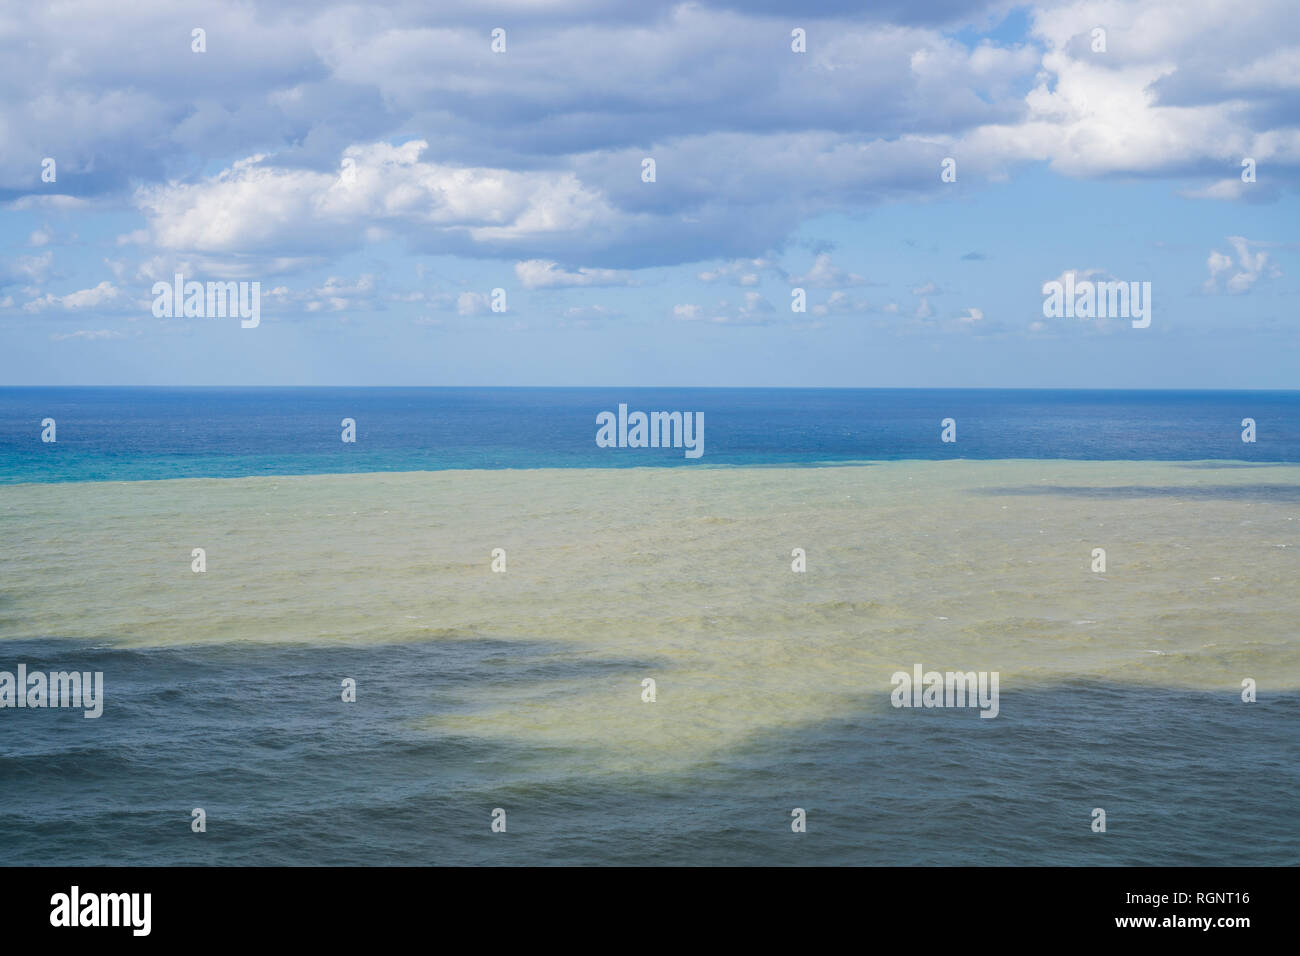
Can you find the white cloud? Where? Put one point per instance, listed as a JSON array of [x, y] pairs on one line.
[[521, 161], [824, 274], [335, 294], [84, 299], [1079, 275], [35, 269], [1250, 267], [544, 274], [753, 309], [741, 272], [1222, 189], [840, 303], [257, 206], [1168, 95]]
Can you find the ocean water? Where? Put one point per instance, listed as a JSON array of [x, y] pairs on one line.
[[523, 690], [128, 434]]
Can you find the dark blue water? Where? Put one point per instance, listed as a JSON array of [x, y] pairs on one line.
[[289, 775], [118, 434]]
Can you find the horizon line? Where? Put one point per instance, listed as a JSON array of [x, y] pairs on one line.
[[805, 388]]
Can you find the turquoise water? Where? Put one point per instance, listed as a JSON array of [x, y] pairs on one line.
[[127, 434]]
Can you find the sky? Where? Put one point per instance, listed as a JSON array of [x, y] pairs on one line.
[[919, 170]]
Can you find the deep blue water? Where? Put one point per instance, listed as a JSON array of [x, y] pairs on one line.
[[116, 434]]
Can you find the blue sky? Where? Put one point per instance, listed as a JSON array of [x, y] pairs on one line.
[[380, 170]]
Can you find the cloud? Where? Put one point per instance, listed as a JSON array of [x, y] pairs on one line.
[[1234, 189], [335, 294], [473, 303], [1168, 96], [535, 155], [841, 303], [103, 293], [255, 206], [1223, 189], [1250, 267], [520, 160], [26, 269], [544, 274], [742, 272], [1079, 275], [824, 274], [753, 309]]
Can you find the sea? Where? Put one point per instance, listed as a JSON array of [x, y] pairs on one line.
[[568, 654]]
